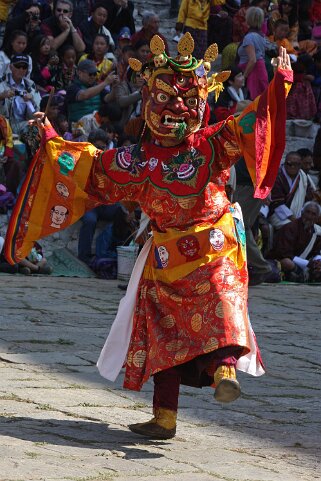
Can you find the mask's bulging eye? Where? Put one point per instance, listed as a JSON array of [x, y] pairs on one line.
[[162, 97], [192, 102], [181, 80]]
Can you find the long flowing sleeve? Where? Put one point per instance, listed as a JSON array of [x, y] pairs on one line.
[[64, 180], [260, 132]]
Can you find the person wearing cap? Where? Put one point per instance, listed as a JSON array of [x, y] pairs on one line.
[[19, 98], [85, 95], [60, 29]]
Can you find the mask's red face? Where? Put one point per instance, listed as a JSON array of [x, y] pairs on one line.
[[172, 106]]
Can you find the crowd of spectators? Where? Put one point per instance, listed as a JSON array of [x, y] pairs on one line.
[[81, 50]]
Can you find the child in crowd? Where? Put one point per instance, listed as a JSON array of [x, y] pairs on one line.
[[45, 65], [122, 61], [67, 67], [98, 55], [35, 263], [16, 45], [281, 31], [301, 102]]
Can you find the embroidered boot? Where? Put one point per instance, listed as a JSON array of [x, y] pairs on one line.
[[227, 387], [161, 426]]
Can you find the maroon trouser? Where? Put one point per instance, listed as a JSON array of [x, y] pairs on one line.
[[167, 382]]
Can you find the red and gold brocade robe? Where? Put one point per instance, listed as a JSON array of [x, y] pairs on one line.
[[192, 296]]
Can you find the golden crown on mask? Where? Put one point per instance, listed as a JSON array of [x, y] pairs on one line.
[[183, 63]]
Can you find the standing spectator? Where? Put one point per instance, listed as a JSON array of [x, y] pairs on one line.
[[98, 55], [150, 22], [60, 29], [192, 17], [18, 95], [220, 24], [16, 45], [90, 27], [85, 95], [120, 14], [301, 102], [252, 54]]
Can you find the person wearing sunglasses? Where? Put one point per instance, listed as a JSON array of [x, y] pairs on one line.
[[60, 29], [289, 193], [85, 95], [19, 98]]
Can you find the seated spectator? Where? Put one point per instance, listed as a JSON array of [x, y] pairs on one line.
[[124, 38], [300, 103], [289, 193], [16, 45], [229, 55], [288, 10], [35, 263], [60, 29], [312, 175], [41, 47], [120, 14], [11, 171], [150, 22], [99, 139], [28, 22], [142, 51], [85, 94], [279, 37], [67, 68], [122, 61], [98, 55], [19, 98], [106, 213], [193, 18], [95, 25], [297, 246], [128, 96], [22, 5], [5, 7], [106, 114], [317, 153], [232, 94]]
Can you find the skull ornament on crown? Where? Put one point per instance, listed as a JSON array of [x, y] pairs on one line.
[[176, 89]]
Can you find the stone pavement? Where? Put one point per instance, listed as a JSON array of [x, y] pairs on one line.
[[59, 420]]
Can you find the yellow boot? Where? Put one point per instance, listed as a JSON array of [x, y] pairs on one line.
[[227, 387], [161, 426]]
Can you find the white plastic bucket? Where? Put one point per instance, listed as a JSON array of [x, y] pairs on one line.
[[126, 258]]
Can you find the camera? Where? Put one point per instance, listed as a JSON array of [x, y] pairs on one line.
[[18, 93], [34, 16]]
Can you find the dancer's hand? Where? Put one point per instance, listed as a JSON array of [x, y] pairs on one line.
[[283, 61], [40, 121]]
